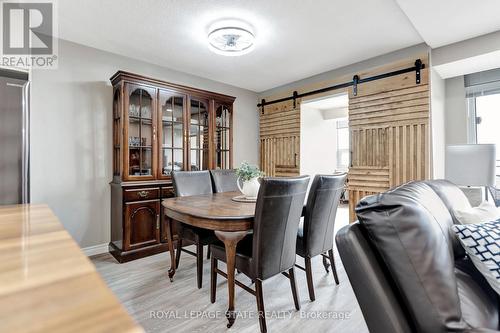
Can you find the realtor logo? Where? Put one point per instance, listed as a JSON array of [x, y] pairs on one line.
[[27, 28], [28, 34]]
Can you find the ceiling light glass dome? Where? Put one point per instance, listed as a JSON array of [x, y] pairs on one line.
[[231, 41]]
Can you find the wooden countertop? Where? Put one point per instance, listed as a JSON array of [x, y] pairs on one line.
[[46, 283]]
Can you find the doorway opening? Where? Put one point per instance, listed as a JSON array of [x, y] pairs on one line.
[[324, 135]]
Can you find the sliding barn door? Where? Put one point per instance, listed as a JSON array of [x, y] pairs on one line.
[[280, 140], [389, 132], [389, 129]]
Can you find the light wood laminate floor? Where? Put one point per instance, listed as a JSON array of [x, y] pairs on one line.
[[160, 306]]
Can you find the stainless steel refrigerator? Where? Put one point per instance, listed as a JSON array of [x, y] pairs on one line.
[[14, 137]]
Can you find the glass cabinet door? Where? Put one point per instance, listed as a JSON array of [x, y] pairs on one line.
[[223, 135], [117, 131], [140, 130], [198, 135], [172, 134]]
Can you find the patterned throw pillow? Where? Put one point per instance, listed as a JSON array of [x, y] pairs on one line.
[[481, 241]]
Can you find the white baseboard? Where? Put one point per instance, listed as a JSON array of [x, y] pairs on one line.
[[95, 249]]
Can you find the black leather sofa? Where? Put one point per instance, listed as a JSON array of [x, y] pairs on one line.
[[407, 268]]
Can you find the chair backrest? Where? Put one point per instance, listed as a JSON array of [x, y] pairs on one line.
[[188, 183], [321, 209], [224, 180], [277, 216]]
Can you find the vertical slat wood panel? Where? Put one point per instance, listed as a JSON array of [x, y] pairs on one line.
[[389, 128], [280, 140]]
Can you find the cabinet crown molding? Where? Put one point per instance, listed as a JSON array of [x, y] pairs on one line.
[[138, 78]]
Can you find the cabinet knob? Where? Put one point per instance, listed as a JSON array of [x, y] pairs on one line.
[[143, 194], [157, 221]]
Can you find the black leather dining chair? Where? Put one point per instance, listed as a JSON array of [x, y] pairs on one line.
[[270, 250], [187, 183], [315, 236], [224, 180]]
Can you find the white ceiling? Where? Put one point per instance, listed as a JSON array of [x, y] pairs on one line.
[[442, 22], [295, 39]]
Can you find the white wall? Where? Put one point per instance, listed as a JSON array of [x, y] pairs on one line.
[[318, 142], [335, 113], [456, 111], [469, 56], [438, 112], [71, 134]]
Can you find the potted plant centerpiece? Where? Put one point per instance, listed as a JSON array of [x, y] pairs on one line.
[[249, 175]]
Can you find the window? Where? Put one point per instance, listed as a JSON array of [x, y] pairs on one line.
[[485, 115], [483, 99], [343, 155]]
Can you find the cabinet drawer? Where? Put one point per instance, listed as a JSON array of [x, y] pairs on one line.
[[137, 194], [167, 192]]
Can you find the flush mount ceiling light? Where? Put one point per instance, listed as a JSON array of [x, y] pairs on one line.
[[231, 41]]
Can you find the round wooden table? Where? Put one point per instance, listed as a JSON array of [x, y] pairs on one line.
[[230, 220]]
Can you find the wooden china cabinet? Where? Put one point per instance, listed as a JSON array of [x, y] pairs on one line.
[[159, 127]]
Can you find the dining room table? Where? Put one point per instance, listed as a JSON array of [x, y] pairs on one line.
[[229, 216]]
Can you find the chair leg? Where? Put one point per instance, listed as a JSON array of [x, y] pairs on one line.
[[325, 263], [293, 285], [260, 306], [213, 279], [208, 252], [178, 253], [309, 276], [199, 264], [334, 269]]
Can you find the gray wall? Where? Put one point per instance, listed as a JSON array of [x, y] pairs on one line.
[[357, 67], [71, 134], [456, 111]]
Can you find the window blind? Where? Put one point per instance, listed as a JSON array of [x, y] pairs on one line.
[[482, 83]]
